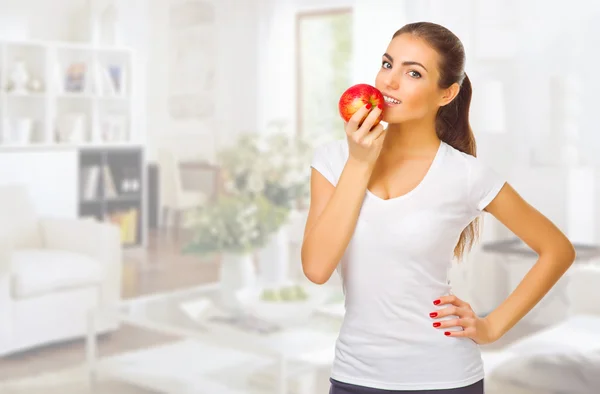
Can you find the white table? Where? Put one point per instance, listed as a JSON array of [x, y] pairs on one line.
[[284, 348]]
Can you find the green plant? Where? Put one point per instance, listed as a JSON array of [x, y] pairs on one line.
[[234, 224], [273, 165]]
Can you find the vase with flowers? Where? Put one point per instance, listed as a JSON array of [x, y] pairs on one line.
[[274, 166], [233, 227]]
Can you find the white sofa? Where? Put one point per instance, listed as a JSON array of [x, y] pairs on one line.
[[52, 272], [564, 357]]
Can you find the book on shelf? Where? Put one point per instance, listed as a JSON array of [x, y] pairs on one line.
[[110, 190], [90, 177], [75, 77], [127, 220]]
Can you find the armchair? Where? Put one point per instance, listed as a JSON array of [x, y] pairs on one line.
[[52, 272]]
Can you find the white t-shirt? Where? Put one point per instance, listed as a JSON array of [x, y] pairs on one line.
[[396, 265]]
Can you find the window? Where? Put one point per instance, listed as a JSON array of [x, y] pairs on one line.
[[324, 54]]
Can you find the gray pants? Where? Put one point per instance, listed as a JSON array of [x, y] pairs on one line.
[[338, 387]]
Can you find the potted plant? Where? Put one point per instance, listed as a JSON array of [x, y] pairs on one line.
[[233, 227], [274, 165]]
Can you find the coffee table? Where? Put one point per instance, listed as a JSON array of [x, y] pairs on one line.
[[222, 339]]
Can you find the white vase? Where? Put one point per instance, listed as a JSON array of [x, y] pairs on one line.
[[237, 272], [273, 258], [21, 130], [19, 78]]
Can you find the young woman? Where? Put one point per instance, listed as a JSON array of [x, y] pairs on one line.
[[391, 208]]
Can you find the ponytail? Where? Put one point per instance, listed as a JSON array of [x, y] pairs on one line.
[[453, 127], [452, 122]]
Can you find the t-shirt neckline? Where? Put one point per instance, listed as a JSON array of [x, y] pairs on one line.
[[432, 167]]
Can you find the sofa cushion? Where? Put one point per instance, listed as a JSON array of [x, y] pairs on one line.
[[19, 225], [38, 271], [563, 358]]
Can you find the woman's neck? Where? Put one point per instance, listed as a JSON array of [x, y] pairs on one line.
[[409, 139]]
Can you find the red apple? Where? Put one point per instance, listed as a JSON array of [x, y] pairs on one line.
[[356, 97]]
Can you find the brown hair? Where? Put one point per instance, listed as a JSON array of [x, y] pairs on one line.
[[452, 121]]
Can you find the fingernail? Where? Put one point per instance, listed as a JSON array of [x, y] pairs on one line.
[[437, 324], [446, 333], [380, 105], [369, 106], [433, 314], [436, 302]]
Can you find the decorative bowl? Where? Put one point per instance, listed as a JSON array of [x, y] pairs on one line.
[[285, 304]]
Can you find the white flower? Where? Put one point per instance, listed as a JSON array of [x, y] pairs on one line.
[[229, 186], [255, 183]]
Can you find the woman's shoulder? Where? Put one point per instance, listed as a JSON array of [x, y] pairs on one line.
[[330, 157], [465, 160], [483, 180]]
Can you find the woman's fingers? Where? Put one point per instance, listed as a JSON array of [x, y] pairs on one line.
[[451, 299], [355, 120], [447, 311], [466, 322], [368, 123], [462, 313], [375, 134]]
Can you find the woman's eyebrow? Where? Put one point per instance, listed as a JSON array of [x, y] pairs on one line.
[[406, 63]]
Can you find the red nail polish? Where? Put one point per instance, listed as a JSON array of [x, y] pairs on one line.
[[436, 302], [446, 333], [433, 314], [369, 106], [380, 105], [437, 324]]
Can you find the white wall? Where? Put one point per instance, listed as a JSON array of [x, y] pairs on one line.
[[46, 20], [236, 80]]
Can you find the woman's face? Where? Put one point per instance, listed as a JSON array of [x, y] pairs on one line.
[[408, 79]]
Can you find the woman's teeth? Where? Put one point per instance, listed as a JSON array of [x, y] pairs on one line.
[[391, 100]]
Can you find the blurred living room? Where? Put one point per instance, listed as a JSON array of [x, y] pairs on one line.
[[155, 169]]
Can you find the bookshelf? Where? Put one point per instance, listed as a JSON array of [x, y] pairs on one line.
[[68, 132], [54, 93], [111, 189]]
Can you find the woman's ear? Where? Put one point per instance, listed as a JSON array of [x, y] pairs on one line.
[[449, 94]]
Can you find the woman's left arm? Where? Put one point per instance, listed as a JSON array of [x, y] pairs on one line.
[[555, 256]]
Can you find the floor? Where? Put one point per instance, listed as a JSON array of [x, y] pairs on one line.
[[160, 267]]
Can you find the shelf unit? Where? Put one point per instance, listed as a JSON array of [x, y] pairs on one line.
[[83, 94], [75, 112]]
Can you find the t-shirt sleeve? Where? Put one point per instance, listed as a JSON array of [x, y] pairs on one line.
[[484, 184], [322, 162]]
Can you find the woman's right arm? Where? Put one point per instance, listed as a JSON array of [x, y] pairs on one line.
[[334, 210]]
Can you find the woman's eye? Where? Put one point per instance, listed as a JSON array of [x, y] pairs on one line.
[[414, 74], [386, 64]]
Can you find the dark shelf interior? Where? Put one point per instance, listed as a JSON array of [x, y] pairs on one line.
[[111, 189]]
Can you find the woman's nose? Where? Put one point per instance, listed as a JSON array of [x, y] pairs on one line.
[[392, 81]]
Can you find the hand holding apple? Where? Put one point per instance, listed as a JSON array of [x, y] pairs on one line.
[[365, 136], [355, 97]]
